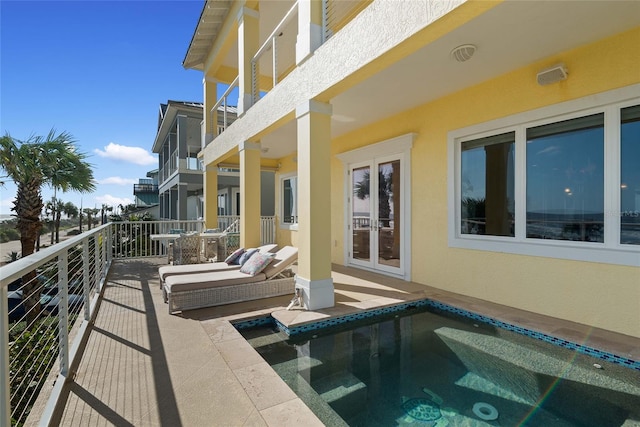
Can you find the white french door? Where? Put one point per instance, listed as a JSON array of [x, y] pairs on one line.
[[376, 214]]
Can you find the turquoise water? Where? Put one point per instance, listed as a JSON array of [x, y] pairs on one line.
[[422, 368]]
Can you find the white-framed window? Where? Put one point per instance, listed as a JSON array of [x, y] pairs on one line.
[[562, 181], [289, 201]]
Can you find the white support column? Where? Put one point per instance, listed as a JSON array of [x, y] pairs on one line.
[[248, 39], [182, 194], [309, 28], [314, 202]]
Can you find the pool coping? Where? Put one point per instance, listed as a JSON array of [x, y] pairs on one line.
[[427, 302]]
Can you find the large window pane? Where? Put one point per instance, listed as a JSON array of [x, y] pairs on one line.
[[487, 189], [565, 180], [630, 176]]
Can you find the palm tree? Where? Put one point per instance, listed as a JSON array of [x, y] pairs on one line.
[[70, 210], [105, 208], [90, 214], [57, 208], [30, 164]]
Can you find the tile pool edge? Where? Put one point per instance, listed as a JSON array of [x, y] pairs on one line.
[[308, 327]]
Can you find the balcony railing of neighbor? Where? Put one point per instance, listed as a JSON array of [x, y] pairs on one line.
[[40, 339], [169, 167], [145, 188]]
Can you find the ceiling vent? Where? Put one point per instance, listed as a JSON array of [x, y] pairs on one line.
[[463, 53], [552, 74]]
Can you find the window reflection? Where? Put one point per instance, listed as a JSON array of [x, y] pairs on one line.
[[565, 180], [487, 186], [630, 176]]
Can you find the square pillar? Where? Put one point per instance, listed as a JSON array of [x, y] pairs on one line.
[[309, 28], [181, 206], [210, 192], [249, 194], [314, 201], [248, 39], [182, 129], [210, 97]]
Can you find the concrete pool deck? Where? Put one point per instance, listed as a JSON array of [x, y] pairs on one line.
[[144, 367]]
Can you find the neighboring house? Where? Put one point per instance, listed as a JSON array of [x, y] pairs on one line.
[[487, 148], [146, 195], [146, 190], [179, 176]]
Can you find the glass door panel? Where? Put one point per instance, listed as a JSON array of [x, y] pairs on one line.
[[388, 217], [361, 214]]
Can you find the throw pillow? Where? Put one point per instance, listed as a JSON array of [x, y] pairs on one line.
[[257, 263], [246, 255], [234, 256]]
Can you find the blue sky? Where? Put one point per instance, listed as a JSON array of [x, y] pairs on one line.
[[98, 70]]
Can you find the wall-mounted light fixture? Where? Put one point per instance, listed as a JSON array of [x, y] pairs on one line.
[[552, 75]]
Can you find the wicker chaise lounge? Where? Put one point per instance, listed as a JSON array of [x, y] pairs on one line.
[[198, 290], [171, 270]]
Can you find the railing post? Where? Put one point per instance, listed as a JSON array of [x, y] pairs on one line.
[[274, 51], [86, 279], [63, 311], [96, 259], [110, 242], [5, 392]]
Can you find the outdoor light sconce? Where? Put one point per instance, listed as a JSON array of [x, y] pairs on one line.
[[552, 74]]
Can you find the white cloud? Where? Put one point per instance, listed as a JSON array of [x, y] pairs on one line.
[[117, 181], [136, 155], [110, 200]]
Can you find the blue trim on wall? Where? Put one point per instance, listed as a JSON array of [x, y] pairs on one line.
[[309, 327]]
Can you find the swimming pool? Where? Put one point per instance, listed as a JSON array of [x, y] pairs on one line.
[[426, 367]]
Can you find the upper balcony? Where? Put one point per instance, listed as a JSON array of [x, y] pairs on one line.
[[283, 29]]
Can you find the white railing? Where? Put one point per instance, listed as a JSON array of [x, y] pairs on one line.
[[279, 67], [213, 113], [63, 283], [337, 13], [169, 167], [231, 224], [41, 340]]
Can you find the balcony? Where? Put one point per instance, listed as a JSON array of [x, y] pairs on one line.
[[144, 188], [114, 355], [271, 63]]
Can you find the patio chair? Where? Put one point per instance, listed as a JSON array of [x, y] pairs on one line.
[[227, 244], [172, 270], [186, 249], [170, 244], [198, 290]]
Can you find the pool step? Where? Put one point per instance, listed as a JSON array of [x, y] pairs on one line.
[[343, 391]]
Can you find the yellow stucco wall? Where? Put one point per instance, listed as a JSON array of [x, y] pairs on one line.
[[601, 295]]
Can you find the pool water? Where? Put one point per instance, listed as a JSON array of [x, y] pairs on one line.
[[422, 368]]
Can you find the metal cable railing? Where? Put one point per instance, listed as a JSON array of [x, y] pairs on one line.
[[48, 299], [338, 13]]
